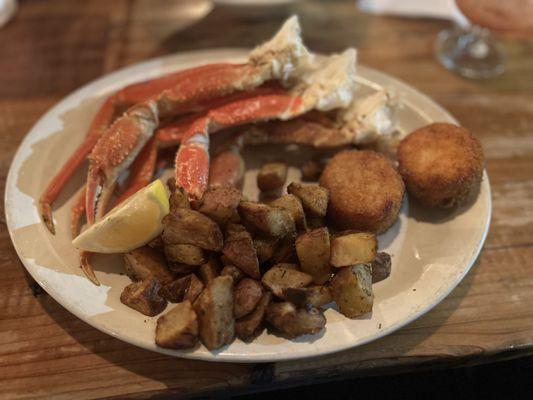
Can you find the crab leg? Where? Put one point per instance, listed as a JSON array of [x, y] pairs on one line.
[[192, 159], [277, 59], [142, 170], [121, 100]]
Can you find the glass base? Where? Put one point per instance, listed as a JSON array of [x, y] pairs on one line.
[[471, 53]]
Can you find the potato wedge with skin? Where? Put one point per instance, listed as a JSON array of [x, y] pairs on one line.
[[250, 325], [220, 203], [156, 243], [184, 226], [214, 308], [268, 220], [314, 198], [185, 254], [233, 271], [239, 250], [178, 328], [293, 322], [351, 289], [316, 296], [278, 278], [381, 267], [311, 170], [265, 248], [247, 294], [180, 270], [293, 205], [210, 270], [353, 248], [143, 296], [316, 222], [272, 176], [178, 199], [187, 288], [145, 262], [285, 251], [313, 250]]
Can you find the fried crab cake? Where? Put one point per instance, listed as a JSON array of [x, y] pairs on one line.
[[366, 191], [441, 164]]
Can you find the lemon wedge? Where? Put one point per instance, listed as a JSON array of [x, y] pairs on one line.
[[129, 225]]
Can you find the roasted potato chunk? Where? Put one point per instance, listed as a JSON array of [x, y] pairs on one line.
[[315, 296], [247, 294], [210, 270], [180, 270], [294, 206], [285, 251], [143, 296], [272, 176], [214, 308], [278, 278], [187, 288], [271, 221], [249, 326], [314, 198], [191, 227], [353, 248], [316, 222], [178, 199], [157, 243], [351, 289], [239, 250], [220, 203], [293, 322], [233, 271], [381, 266], [178, 328], [185, 254], [265, 248], [311, 171], [145, 262], [313, 249]]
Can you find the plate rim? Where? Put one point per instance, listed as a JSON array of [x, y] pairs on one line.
[[210, 356]]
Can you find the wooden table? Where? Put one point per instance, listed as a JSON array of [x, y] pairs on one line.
[[53, 47]]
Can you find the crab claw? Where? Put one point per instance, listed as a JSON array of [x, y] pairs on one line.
[[86, 266], [115, 152]]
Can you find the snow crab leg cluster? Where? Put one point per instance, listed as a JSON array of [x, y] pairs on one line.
[[281, 87]]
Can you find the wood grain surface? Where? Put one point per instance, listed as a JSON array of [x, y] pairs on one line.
[[53, 47]]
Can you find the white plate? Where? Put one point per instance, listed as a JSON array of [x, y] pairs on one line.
[[431, 251]]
